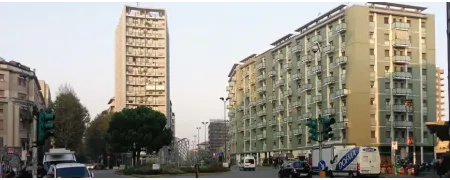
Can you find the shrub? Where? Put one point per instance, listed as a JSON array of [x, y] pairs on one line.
[[175, 171]]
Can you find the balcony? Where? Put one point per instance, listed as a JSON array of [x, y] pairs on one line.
[[297, 132], [328, 49], [241, 129], [296, 77], [316, 69], [246, 117], [344, 109], [297, 48], [305, 87], [316, 39], [328, 112], [400, 124], [252, 104], [401, 75], [273, 123], [306, 59], [287, 93], [260, 125], [261, 113], [340, 93], [261, 77], [260, 66], [287, 66], [240, 108], [279, 57], [262, 101], [341, 60], [287, 120], [252, 126], [329, 80], [297, 104], [272, 73], [279, 83], [400, 26], [261, 136], [279, 134], [231, 113], [340, 28], [305, 116], [272, 99], [278, 109], [316, 99], [401, 59], [261, 89], [401, 43], [401, 91], [399, 108]]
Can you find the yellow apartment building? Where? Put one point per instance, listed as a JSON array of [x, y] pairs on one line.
[[357, 64]]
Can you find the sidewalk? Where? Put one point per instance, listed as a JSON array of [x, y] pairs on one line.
[[422, 175]]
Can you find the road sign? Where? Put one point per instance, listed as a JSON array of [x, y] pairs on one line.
[[322, 165], [410, 141], [10, 151], [394, 145]]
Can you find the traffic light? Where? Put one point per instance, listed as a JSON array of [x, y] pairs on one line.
[[326, 125], [313, 129], [45, 125]]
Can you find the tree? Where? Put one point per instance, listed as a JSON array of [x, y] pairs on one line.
[[136, 130], [95, 137], [71, 118]]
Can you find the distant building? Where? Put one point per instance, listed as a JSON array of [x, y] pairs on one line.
[[441, 146], [112, 104], [217, 131]]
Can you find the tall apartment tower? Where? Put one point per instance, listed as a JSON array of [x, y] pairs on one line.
[[142, 60], [441, 146], [357, 64]]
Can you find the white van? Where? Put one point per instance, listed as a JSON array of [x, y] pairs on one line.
[[355, 162], [58, 155], [248, 162]]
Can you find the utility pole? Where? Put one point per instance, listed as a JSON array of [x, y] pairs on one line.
[[226, 124]]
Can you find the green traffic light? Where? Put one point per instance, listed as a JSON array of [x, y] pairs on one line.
[[327, 130], [313, 129], [44, 125]]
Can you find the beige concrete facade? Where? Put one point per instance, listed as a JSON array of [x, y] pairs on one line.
[[45, 90], [142, 63], [442, 146], [356, 64], [19, 92]]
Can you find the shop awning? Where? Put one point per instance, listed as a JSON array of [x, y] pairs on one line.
[[441, 129]]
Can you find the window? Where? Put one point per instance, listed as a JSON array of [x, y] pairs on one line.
[[1, 108], [372, 101], [372, 134], [387, 85], [408, 21], [372, 68], [409, 54], [424, 71], [424, 55], [1, 124], [372, 51], [371, 18], [386, 53], [2, 93], [386, 20], [21, 81], [386, 36], [425, 118], [422, 24], [21, 96], [2, 77]]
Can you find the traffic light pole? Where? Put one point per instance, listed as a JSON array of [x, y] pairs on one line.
[[320, 137]]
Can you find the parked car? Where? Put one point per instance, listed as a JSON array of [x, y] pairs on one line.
[[294, 169]]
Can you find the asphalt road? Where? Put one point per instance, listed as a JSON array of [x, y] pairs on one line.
[[261, 172]]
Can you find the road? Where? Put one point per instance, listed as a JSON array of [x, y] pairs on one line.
[[261, 172]]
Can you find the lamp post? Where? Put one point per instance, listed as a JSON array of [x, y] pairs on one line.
[[316, 48], [204, 124], [226, 124], [198, 142]]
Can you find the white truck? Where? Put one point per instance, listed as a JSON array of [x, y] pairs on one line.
[[355, 162], [58, 155], [328, 152]]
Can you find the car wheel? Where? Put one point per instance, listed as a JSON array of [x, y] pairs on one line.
[[351, 175], [330, 173], [279, 175]]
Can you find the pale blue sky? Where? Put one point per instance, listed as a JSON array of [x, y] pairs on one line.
[[74, 43]]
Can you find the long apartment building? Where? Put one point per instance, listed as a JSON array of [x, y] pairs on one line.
[[20, 96], [357, 64], [142, 60], [441, 146]]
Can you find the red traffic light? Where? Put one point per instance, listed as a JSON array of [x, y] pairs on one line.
[[410, 141]]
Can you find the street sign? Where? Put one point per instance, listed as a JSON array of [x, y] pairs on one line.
[[394, 145], [10, 151], [410, 141], [322, 165]]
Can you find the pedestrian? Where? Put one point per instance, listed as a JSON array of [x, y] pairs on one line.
[[41, 172], [441, 167]]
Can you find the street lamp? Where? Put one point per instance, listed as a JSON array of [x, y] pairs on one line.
[[198, 142], [204, 124], [226, 124]]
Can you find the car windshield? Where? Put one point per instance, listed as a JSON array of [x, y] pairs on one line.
[[72, 172], [299, 164], [49, 163], [251, 161]]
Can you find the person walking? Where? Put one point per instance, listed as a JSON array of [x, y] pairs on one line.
[[442, 167]]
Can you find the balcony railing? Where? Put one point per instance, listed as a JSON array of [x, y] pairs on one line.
[[262, 101], [261, 89], [287, 120], [329, 80], [297, 132], [279, 57], [297, 104], [272, 73], [260, 66], [401, 75], [400, 25], [297, 48], [401, 91], [401, 59], [296, 77], [401, 43], [305, 116], [328, 49], [328, 112], [306, 59], [273, 123], [279, 83], [261, 77], [305, 87], [340, 93], [342, 27], [261, 113]]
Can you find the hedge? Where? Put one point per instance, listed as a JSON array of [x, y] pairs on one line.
[[172, 170]]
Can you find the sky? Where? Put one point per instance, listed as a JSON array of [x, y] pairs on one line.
[[74, 43]]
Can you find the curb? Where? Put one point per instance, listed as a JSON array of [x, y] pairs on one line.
[[174, 175]]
